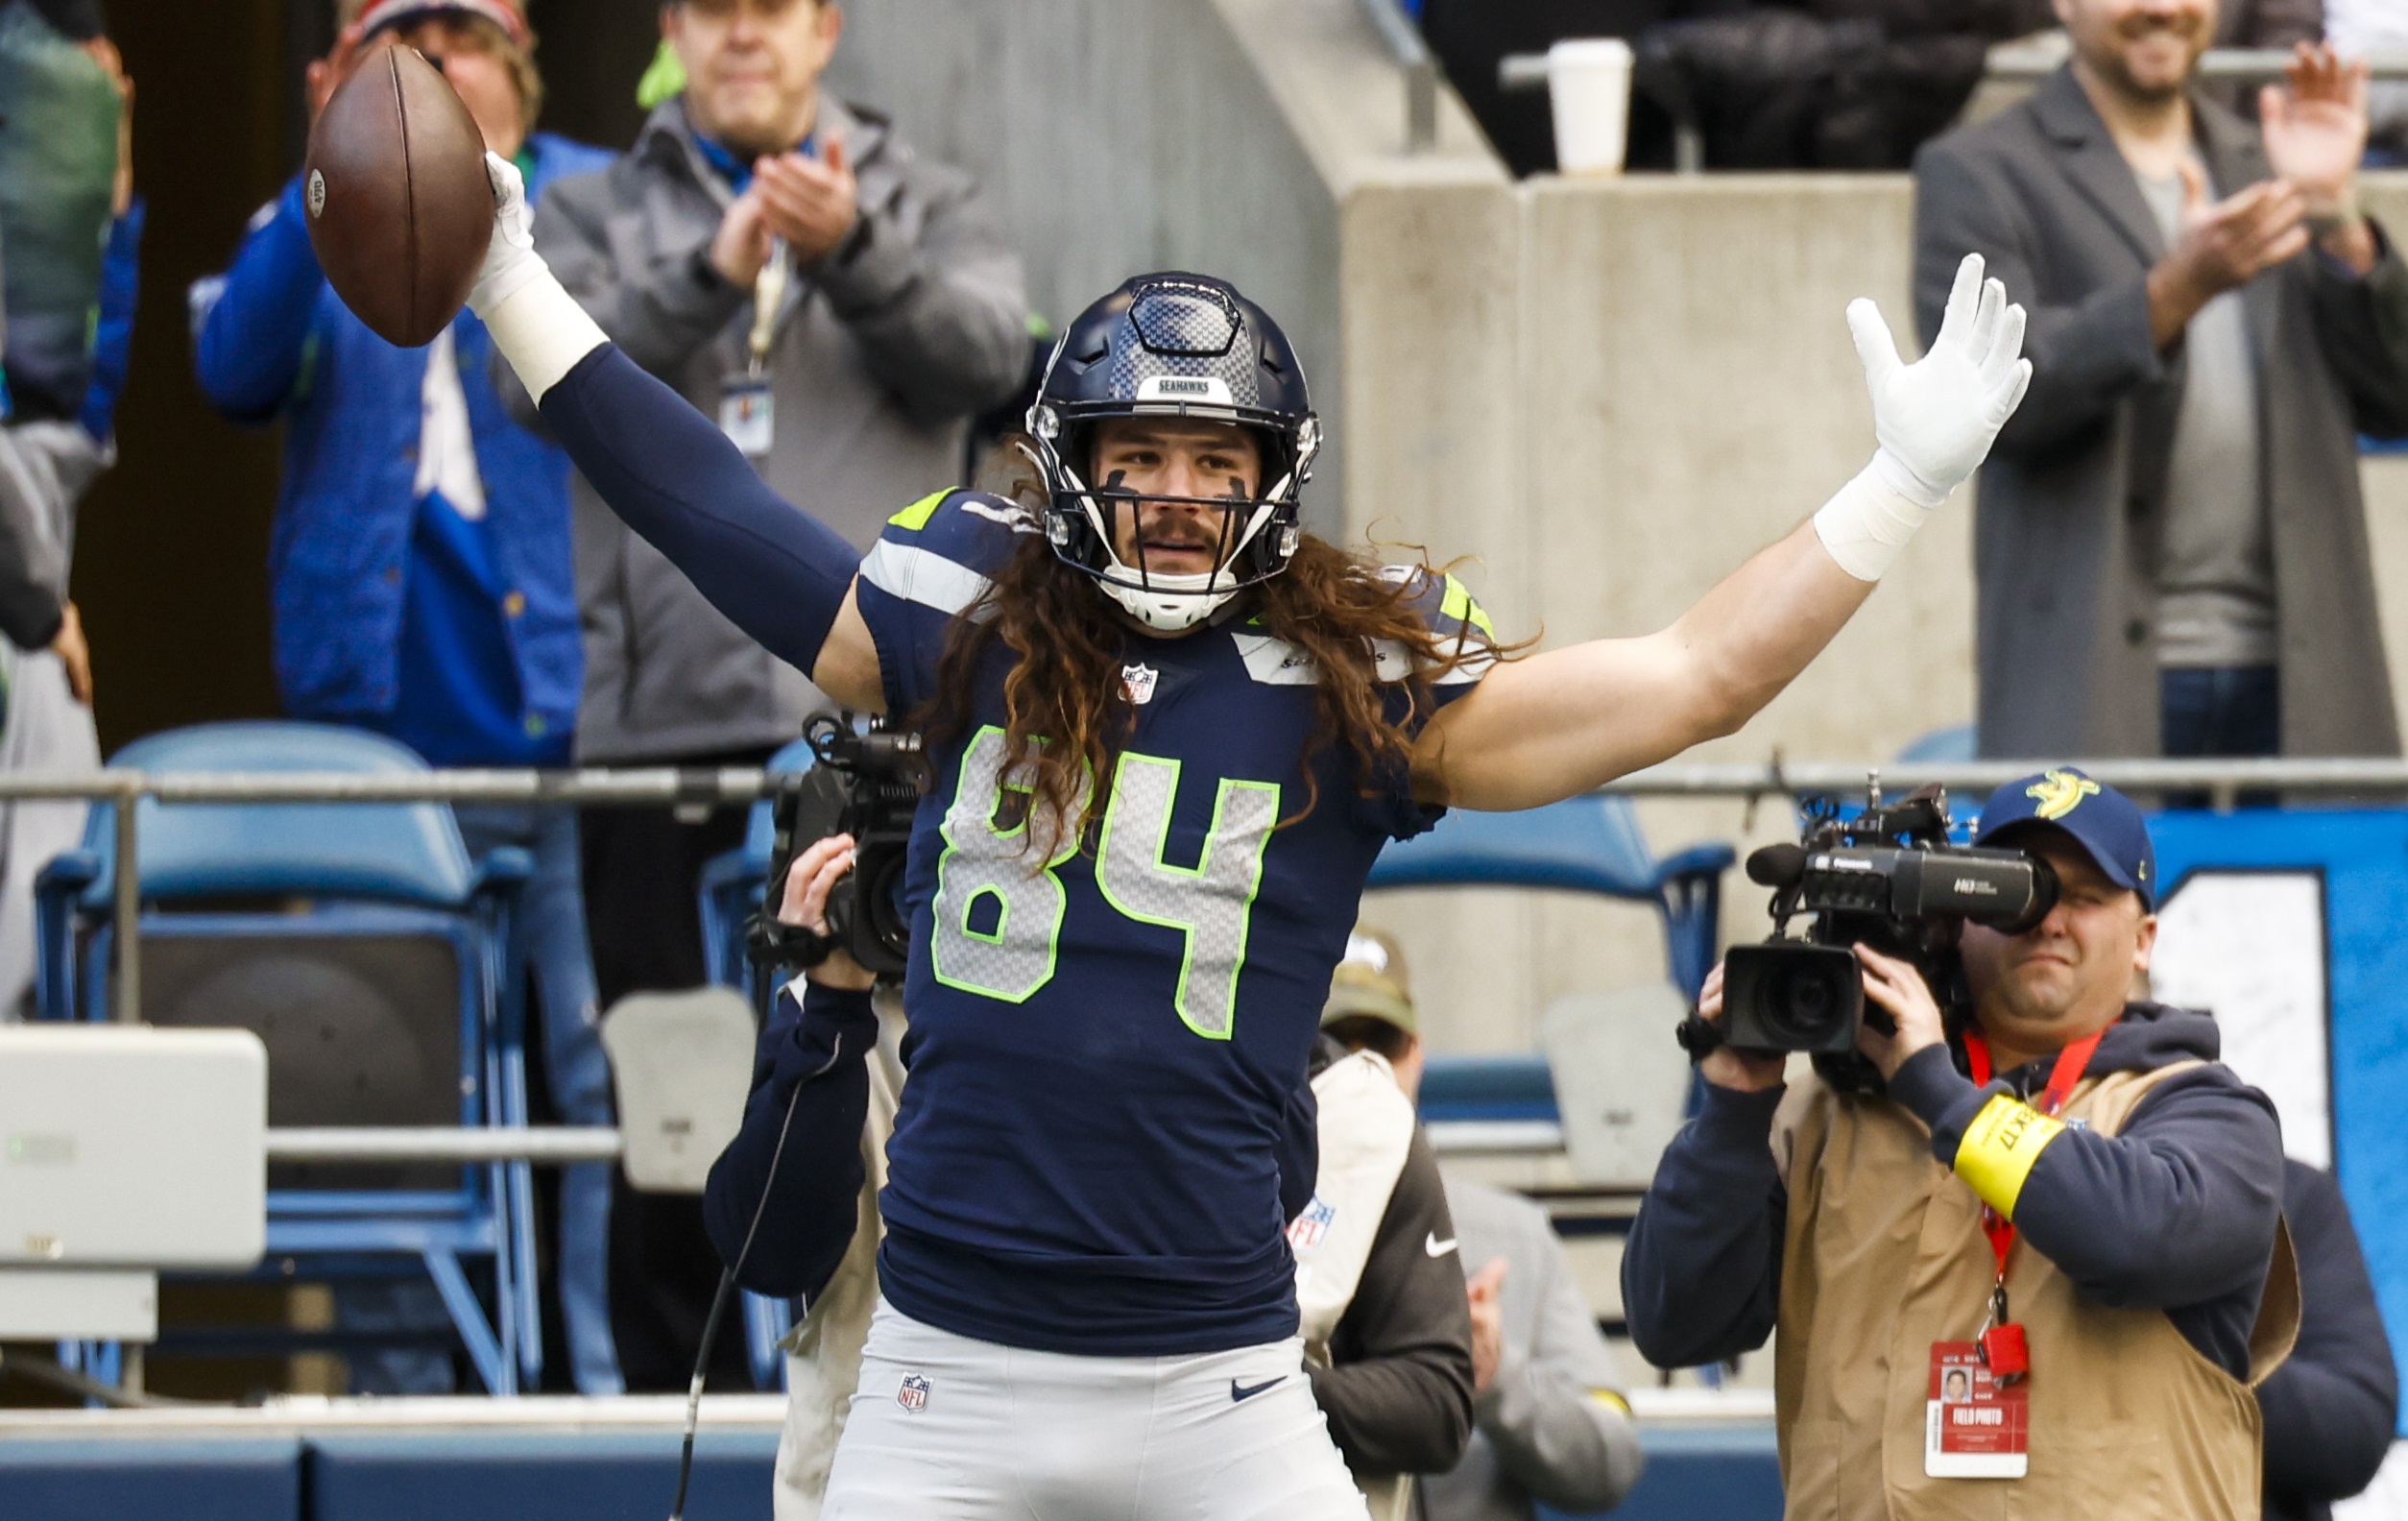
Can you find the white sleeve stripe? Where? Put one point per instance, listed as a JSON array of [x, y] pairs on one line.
[[1276, 662], [922, 576]]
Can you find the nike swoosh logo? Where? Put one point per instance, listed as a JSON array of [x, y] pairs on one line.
[[1436, 1248], [1243, 1392]]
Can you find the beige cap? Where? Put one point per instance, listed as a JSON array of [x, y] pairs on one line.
[[1372, 981]]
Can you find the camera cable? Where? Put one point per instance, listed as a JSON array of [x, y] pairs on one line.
[[727, 1282]]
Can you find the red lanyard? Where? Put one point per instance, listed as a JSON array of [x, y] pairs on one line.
[[2071, 1062]]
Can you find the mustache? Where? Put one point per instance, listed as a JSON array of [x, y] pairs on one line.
[[2134, 28]]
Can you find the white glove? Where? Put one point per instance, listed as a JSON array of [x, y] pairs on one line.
[[510, 260], [1936, 419], [537, 326]]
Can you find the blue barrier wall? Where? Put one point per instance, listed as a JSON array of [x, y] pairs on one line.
[[244, 1479], [2363, 854]]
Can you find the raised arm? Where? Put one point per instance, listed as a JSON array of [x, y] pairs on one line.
[[251, 324], [781, 577], [1562, 722]]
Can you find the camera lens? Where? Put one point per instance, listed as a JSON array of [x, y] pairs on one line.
[[1802, 1006]]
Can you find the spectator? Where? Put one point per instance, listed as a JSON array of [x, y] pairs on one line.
[[2330, 1410], [2171, 549], [422, 579], [1825, 85], [1389, 1330], [890, 312], [1550, 1422], [2113, 1192], [61, 435]]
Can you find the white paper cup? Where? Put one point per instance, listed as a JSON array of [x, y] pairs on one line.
[[1588, 79]]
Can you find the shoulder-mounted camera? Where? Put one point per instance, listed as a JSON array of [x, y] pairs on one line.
[[867, 783], [1887, 878]]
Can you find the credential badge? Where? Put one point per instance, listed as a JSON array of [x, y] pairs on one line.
[[1139, 680], [914, 1393]]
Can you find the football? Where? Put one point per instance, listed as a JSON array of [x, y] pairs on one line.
[[400, 211]]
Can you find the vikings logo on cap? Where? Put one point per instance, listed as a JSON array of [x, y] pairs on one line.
[[2060, 793]]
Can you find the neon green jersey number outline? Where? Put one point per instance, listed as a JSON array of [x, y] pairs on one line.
[[1017, 958], [1212, 903]]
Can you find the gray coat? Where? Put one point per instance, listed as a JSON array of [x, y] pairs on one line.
[[1542, 1432], [2071, 505], [884, 351]]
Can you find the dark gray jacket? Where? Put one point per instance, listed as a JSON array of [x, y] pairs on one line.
[[1550, 1428], [885, 349], [2071, 504]]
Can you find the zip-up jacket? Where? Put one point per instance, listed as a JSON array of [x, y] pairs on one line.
[[273, 342]]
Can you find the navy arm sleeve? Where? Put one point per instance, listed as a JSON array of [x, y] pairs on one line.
[[771, 570], [813, 1068], [2179, 1209], [2330, 1410], [1702, 1275]]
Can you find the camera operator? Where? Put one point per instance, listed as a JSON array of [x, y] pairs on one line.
[[2106, 1307]]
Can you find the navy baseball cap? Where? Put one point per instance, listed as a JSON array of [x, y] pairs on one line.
[[2103, 821]]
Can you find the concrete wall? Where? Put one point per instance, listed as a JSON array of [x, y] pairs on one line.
[[1115, 139], [1610, 392]]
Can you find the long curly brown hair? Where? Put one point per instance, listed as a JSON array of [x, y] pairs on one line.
[[1068, 713]]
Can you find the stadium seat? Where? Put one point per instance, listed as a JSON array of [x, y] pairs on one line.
[[1942, 745], [1583, 844], [731, 889], [377, 963]]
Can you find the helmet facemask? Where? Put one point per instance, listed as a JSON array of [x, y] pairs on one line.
[[1178, 347], [1251, 535]]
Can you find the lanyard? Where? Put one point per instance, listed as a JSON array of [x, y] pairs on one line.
[[769, 296], [2071, 1063]]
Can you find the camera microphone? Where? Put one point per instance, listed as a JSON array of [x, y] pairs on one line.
[[1781, 865]]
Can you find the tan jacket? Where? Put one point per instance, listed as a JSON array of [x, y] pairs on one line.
[[1885, 1256]]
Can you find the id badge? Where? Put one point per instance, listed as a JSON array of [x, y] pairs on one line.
[[748, 415], [1974, 1426]]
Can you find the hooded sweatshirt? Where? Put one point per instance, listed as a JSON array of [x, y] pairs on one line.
[[2178, 1212]]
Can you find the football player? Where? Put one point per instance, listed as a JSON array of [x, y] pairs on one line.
[[1168, 733]]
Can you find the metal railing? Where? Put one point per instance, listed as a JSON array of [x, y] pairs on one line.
[[2222, 781], [1412, 55]]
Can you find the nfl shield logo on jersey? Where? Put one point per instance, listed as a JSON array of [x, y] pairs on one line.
[[1308, 1228], [914, 1393], [1139, 680]]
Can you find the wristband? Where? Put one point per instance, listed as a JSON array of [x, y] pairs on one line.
[[1872, 518], [541, 330]]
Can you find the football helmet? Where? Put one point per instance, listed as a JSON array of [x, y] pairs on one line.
[[1174, 345]]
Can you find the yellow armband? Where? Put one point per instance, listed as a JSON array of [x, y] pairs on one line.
[[1999, 1147]]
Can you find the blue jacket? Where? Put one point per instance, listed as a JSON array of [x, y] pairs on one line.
[[272, 339]]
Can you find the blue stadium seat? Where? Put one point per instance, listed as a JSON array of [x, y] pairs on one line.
[[731, 889], [256, 890], [1942, 745], [1583, 844]]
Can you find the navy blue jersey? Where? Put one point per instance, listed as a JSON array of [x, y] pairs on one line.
[[1103, 1044]]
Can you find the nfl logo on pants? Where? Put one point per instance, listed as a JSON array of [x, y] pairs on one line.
[[914, 1393]]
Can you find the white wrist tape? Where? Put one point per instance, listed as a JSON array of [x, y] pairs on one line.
[[1869, 521], [541, 330]]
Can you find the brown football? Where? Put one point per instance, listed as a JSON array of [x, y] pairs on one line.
[[400, 211]]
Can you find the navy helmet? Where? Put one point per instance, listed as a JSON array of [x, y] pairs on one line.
[[1174, 345]]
